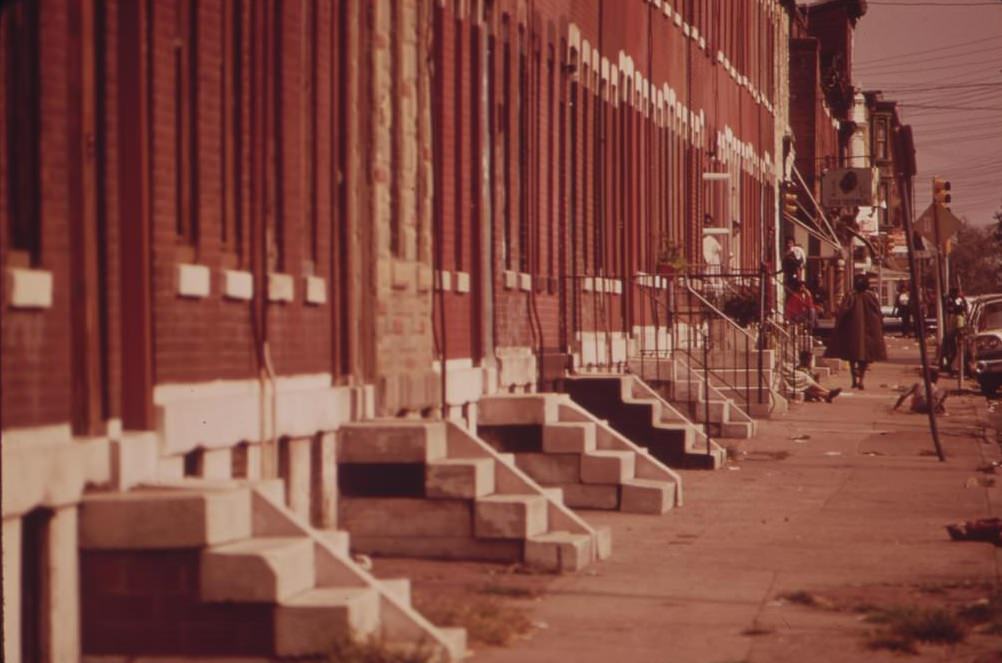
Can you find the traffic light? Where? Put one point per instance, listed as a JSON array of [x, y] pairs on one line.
[[941, 191], [789, 199]]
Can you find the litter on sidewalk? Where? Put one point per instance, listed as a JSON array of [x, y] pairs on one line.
[[984, 529]]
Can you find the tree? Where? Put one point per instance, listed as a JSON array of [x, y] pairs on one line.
[[976, 261]]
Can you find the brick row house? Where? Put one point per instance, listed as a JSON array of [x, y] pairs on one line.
[[286, 281]]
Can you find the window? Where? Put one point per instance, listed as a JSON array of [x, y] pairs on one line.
[[880, 138], [186, 123], [21, 80], [231, 126]]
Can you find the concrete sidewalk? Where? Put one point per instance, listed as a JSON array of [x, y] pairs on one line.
[[830, 498]]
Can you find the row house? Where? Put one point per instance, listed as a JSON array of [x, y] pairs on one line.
[[286, 281], [822, 99]]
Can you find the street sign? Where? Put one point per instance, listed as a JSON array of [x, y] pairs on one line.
[[949, 224], [849, 187]]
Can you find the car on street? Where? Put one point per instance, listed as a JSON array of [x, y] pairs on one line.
[[984, 343]]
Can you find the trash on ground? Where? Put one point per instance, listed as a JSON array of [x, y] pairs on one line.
[[872, 453], [796, 438], [833, 453], [984, 529], [979, 482]]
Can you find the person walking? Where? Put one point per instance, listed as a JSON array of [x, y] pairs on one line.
[[903, 307], [955, 310], [858, 336]]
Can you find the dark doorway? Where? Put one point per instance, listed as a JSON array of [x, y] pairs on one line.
[[33, 584]]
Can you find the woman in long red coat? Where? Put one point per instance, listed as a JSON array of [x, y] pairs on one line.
[[859, 331]]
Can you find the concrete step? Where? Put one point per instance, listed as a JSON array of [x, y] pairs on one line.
[[391, 441], [399, 588], [459, 478], [164, 518], [517, 409], [257, 570], [646, 496], [510, 516], [608, 467], [338, 539], [309, 622], [568, 437], [559, 551]]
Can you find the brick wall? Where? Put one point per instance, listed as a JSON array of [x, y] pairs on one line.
[[146, 602], [35, 381]]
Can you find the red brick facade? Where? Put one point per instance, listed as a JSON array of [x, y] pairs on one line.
[[353, 190]]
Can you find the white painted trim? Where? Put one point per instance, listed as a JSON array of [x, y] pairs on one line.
[[37, 436], [281, 287], [238, 285], [29, 288], [589, 284], [193, 280], [524, 281], [443, 280], [462, 282], [510, 279], [316, 290], [457, 363], [172, 392]]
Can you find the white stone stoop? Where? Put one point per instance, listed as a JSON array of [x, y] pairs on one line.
[[646, 467], [567, 543]]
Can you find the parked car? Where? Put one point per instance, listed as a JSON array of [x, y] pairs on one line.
[[984, 344]]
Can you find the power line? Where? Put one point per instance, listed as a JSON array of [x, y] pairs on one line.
[[936, 58], [928, 50], [933, 3]]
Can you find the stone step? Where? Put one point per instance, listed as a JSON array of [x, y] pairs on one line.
[[517, 409], [462, 478], [404, 517], [510, 516], [398, 587], [164, 518], [257, 570], [559, 551], [338, 539], [391, 441], [607, 466], [646, 496], [568, 437], [603, 496], [311, 621], [736, 430]]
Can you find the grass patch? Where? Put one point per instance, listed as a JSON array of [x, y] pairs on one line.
[[800, 597], [891, 642], [496, 589], [375, 650], [907, 625], [486, 619], [756, 630]]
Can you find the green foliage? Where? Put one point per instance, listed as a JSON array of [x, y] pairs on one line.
[[375, 650], [741, 305], [976, 260]]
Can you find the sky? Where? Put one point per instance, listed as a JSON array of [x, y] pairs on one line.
[[942, 60]]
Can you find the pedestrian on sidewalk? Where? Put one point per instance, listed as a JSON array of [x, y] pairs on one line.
[[916, 392], [903, 308], [858, 336], [800, 381], [955, 309]]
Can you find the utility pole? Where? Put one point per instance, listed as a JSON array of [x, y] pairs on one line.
[[904, 160]]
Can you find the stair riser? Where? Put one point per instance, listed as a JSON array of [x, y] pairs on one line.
[[509, 519]]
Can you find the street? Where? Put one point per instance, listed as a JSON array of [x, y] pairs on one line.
[[844, 503]]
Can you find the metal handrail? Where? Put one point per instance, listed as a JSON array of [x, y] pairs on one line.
[[720, 313]]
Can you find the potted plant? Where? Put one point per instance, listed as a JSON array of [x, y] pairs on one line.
[[671, 259]]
